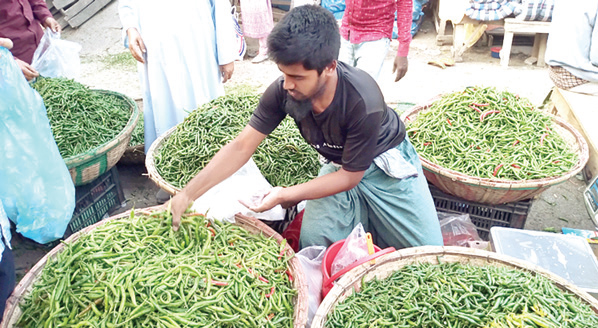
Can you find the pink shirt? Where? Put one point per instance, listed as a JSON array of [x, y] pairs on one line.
[[370, 20]]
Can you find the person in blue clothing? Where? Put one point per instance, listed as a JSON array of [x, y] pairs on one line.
[[373, 175]]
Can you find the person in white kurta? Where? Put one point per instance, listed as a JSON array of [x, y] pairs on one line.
[[185, 50]]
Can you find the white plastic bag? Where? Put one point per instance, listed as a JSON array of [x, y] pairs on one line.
[[311, 261], [354, 248], [221, 202], [55, 57]]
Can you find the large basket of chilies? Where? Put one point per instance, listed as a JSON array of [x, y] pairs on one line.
[[175, 157], [493, 147], [133, 270], [435, 286], [92, 128]]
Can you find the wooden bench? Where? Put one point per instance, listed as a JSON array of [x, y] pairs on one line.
[[540, 31], [581, 111]]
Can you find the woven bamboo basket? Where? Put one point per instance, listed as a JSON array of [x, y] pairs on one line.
[[387, 264], [497, 191], [13, 311], [150, 163], [87, 166]]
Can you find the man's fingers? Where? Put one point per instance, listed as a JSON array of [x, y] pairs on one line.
[[176, 222]]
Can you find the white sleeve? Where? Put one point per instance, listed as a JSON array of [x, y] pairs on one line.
[[128, 11], [226, 43]]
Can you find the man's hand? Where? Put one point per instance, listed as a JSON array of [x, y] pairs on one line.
[[52, 24], [178, 205], [227, 71], [6, 43], [268, 200], [29, 72], [136, 45], [400, 66]]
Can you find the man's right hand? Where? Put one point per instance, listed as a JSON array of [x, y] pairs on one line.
[[136, 45], [178, 205], [28, 70]]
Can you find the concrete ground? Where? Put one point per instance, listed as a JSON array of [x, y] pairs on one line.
[[559, 206]]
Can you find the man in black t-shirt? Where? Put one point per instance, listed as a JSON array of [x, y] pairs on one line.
[[373, 174]]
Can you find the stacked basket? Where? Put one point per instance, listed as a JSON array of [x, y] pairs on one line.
[[87, 166]]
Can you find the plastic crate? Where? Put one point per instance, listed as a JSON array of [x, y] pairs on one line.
[[96, 201], [483, 216]]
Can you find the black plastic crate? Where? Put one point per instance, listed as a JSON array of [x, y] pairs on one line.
[[96, 201], [483, 216]]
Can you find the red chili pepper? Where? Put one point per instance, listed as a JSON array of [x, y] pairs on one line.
[[516, 166], [449, 122], [547, 128], [516, 142], [516, 96], [281, 253], [219, 283], [290, 275], [496, 169], [542, 138], [407, 119], [212, 231], [270, 293], [263, 279], [476, 109], [483, 116], [556, 162], [478, 147], [270, 316], [481, 105], [427, 143], [414, 132]]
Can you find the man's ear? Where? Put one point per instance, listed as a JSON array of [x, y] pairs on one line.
[[331, 68]]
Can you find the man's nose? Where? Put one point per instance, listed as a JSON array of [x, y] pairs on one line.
[[288, 85]]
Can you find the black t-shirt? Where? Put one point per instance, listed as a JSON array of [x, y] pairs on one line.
[[355, 128]]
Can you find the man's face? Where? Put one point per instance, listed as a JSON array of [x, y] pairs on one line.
[[302, 84]]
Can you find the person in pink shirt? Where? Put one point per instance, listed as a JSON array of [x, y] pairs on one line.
[[366, 31]]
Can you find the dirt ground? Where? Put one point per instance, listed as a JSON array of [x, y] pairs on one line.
[[559, 206]]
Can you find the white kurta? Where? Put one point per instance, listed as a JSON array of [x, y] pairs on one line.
[[186, 41]]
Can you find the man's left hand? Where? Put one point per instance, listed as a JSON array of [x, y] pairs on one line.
[[400, 66], [52, 24], [227, 71]]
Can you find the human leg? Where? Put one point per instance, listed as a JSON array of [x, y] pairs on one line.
[[7, 277], [263, 51], [369, 56], [401, 211], [331, 218], [347, 52]]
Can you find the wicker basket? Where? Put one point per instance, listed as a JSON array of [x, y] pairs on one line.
[[13, 311], [387, 264], [87, 166], [497, 191], [150, 163]]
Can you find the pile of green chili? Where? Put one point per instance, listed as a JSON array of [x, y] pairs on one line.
[[284, 158], [81, 119], [492, 134], [461, 295], [138, 272]]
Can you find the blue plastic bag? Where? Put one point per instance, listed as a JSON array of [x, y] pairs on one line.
[[35, 186]]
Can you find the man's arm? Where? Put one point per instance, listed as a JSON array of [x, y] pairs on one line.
[[42, 13], [404, 19], [320, 187], [227, 161]]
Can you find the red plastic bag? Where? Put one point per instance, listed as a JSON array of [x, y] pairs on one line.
[[293, 231], [457, 229]]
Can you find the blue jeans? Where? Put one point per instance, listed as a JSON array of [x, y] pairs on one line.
[[367, 56]]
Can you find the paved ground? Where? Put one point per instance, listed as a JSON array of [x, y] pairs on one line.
[[559, 206]]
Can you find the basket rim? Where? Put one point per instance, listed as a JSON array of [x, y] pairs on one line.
[[77, 159], [150, 163], [583, 153], [299, 282], [429, 254]]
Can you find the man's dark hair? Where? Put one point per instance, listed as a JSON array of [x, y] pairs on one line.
[[308, 35]]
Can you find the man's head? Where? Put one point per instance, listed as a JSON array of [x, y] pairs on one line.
[[307, 35], [305, 46]]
